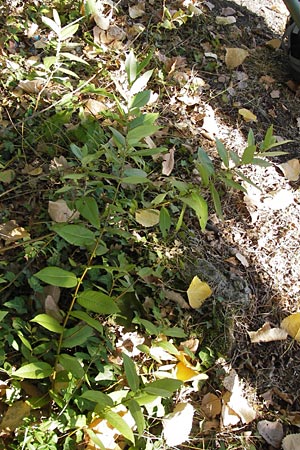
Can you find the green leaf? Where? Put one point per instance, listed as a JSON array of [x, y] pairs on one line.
[[233, 184], [216, 200], [204, 166], [82, 315], [34, 371], [251, 138], [76, 336], [131, 67], [135, 180], [163, 388], [3, 314], [143, 119], [103, 400], [88, 208], [48, 322], [269, 139], [168, 346], [276, 153], [68, 72], [141, 82], [117, 422], [68, 31], [57, 277], [223, 153], [71, 364], [138, 416], [131, 374], [261, 162], [118, 138], [235, 157], [48, 61], [97, 302], [149, 326], [7, 176], [159, 199], [199, 205], [76, 234], [150, 151], [174, 332], [76, 151], [164, 221], [137, 134], [72, 57], [248, 154], [139, 100], [51, 24], [56, 17], [95, 439]]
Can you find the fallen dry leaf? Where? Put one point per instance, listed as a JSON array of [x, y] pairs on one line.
[[168, 162], [272, 432], [291, 169], [60, 212], [14, 416], [94, 107], [274, 43], [235, 57], [228, 416], [192, 344], [228, 20], [281, 200], [178, 424], [267, 334], [7, 176], [52, 309], [11, 232], [291, 324], [177, 298], [291, 442], [247, 115], [211, 405], [147, 217], [198, 292], [137, 10], [31, 86], [242, 259], [103, 21], [275, 93]]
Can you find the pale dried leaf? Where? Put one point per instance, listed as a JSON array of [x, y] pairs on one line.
[[228, 416], [275, 93], [192, 344], [281, 200], [32, 29], [272, 432], [11, 232], [274, 43], [211, 405], [60, 212], [178, 424], [94, 107], [59, 163], [291, 442], [229, 20], [137, 10], [228, 11], [242, 408], [52, 309], [247, 115], [235, 57], [267, 334], [242, 259], [14, 416], [177, 298], [168, 162], [31, 86], [147, 217], [102, 21], [291, 169]]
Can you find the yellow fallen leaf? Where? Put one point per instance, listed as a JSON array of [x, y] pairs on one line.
[[274, 43], [185, 373], [147, 217], [291, 169], [198, 292], [291, 324], [247, 115], [235, 57]]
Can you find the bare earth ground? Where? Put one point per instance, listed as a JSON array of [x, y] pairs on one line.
[[265, 232]]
